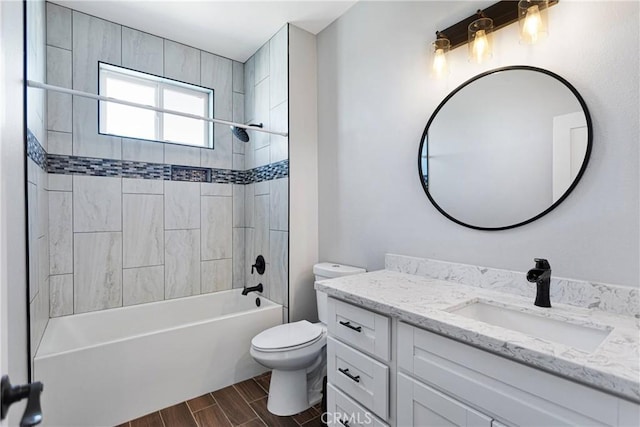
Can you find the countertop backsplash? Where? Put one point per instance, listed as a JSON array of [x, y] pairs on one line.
[[615, 299]]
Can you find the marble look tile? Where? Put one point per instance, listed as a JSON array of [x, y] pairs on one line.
[[94, 40], [238, 258], [58, 26], [216, 228], [216, 73], [249, 203], [279, 66], [221, 157], [262, 63], [33, 232], [261, 188], [279, 121], [43, 204], [238, 162], [279, 266], [142, 230], [97, 271], [97, 204], [238, 107], [213, 189], [249, 155], [261, 242], [238, 146], [140, 285], [238, 205], [61, 295], [142, 186], [142, 51], [60, 183], [238, 77], [279, 203], [59, 108], [60, 142], [261, 114], [250, 252], [60, 232], [43, 261], [249, 89], [181, 205], [261, 157], [175, 154], [216, 275], [181, 62], [182, 263], [86, 139], [142, 151]]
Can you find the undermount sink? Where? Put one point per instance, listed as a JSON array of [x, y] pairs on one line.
[[581, 337]]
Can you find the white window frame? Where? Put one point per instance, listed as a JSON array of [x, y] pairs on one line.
[[159, 84]]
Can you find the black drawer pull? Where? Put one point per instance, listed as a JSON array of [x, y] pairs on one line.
[[344, 423], [346, 372], [350, 326]]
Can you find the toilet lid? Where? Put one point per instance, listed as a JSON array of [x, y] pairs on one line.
[[287, 335]]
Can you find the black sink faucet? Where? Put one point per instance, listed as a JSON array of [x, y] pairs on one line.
[[258, 288], [541, 274]]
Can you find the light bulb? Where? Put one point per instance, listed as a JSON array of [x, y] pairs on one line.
[[480, 45], [439, 62], [532, 24]]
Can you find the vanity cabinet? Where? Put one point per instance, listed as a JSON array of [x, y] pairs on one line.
[[358, 355], [439, 372]]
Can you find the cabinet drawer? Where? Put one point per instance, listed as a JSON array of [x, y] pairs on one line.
[[361, 328], [358, 375], [344, 411], [420, 405], [514, 393]]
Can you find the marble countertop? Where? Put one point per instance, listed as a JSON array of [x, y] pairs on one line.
[[614, 366]]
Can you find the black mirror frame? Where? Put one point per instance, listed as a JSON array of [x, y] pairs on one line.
[[423, 140]]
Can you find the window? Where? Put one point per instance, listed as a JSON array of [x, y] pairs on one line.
[[141, 88]]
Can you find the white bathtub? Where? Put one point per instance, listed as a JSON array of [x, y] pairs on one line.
[[107, 367]]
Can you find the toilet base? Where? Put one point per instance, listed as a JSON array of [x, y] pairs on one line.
[[288, 392]]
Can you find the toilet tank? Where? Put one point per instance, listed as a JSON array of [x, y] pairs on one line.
[[330, 270]]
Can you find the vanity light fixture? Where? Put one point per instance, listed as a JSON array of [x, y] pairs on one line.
[[476, 30], [480, 39], [440, 49], [532, 18]]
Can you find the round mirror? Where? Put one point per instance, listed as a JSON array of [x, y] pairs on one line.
[[505, 148]]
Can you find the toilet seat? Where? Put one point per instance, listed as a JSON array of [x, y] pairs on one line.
[[289, 336]]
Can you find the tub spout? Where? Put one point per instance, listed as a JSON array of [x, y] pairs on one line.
[[258, 288]]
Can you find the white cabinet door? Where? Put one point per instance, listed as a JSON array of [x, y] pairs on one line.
[[344, 411], [420, 405]]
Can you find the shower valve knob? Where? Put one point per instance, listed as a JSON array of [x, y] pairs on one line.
[[14, 393], [259, 266]]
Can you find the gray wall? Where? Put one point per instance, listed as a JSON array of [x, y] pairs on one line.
[[118, 241], [375, 97], [264, 227]]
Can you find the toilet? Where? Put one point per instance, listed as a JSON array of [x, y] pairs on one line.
[[296, 352]]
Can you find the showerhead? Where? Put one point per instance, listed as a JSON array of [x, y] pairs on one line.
[[241, 133]]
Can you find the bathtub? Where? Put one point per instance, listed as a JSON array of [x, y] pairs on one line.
[[106, 367]]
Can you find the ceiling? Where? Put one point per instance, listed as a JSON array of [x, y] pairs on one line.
[[234, 29]]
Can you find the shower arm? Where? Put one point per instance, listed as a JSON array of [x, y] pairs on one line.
[[45, 86]]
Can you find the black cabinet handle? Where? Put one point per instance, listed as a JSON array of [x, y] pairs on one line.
[[350, 326], [344, 423], [346, 372]]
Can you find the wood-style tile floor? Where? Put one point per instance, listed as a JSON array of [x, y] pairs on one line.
[[243, 404]]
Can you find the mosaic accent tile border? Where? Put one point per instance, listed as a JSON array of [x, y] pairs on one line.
[[35, 151], [77, 165]]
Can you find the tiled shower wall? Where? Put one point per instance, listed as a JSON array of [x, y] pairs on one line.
[[37, 180], [119, 241], [263, 222]]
